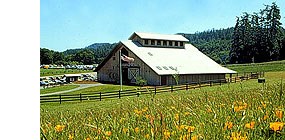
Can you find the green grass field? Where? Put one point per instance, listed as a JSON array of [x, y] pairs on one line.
[[57, 88], [244, 110], [259, 67], [51, 72]]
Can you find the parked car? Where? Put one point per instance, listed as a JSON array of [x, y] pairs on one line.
[[42, 83]]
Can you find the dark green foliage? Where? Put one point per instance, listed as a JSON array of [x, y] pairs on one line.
[[93, 54], [258, 37], [214, 43]]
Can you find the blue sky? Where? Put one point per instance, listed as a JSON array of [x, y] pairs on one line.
[[66, 24]]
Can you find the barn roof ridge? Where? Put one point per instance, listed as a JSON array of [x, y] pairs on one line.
[[173, 37]]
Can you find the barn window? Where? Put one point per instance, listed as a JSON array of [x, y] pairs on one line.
[[171, 68], [152, 42], [158, 42], [114, 58], [176, 43], [181, 43], [158, 67], [165, 68], [170, 43], [146, 41], [164, 43]]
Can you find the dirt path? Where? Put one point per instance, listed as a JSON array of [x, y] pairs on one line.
[[82, 86]]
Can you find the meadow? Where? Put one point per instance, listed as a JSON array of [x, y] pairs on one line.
[[52, 72], [244, 110]]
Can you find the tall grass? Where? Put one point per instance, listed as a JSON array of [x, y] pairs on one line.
[[244, 110]]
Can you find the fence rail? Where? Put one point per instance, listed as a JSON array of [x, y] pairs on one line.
[[146, 90]]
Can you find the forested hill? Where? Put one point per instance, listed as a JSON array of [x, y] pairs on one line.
[[92, 54], [215, 43]]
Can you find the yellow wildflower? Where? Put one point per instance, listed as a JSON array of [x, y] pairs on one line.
[[147, 116], [191, 129], [59, 128], [194, 138], [279, 114], [99, 131], [166, 134], [125, 130], [87, 138], [176, 117], [49, 124], [276, 126], [144, 109], [237, 136], [70, 137], [138, 112], [240, 106], [137, 129], [108, 133], [250, 125], [228, 125], [187, 113], [146, 136], [263, 104], [209, 110]]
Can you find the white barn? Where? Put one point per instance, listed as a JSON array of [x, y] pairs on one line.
[[157, 57]]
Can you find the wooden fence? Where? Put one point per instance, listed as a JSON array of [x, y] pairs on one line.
[[144, 90]]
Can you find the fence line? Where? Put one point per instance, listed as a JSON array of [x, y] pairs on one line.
[[145, 90]]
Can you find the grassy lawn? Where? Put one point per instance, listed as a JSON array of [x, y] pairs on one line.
[[51, 72], [102, 88], [57, 88], [257, 67], [243, 110]]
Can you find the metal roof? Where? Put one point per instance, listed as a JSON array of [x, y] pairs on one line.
[[164, 61], [159, 36]]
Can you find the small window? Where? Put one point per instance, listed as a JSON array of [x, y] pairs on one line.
[[170, 43], [152, 42], [114, 58], [164, 43], [158, 42], [176, 43], [171, 68], [158, 67], [165, 68], [146, 41], [181, 43], [149, 53]]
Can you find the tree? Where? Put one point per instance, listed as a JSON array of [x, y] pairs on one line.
[[85, 56], [46, 56]]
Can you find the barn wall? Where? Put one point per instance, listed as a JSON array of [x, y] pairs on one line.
[[110, 71], [145, 71], [193, 78]]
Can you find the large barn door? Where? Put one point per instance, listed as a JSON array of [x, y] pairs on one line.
[[125, 78], [133, 74], [163, 80]]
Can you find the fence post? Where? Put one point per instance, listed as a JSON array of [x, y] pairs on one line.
[[154, 89], [171, 88], [235, 79], [80, 97], [138, 94], [119, 94], [210, 83], [100, 96], [220, 82], [59, 98], [199, 84], [187, 86]]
